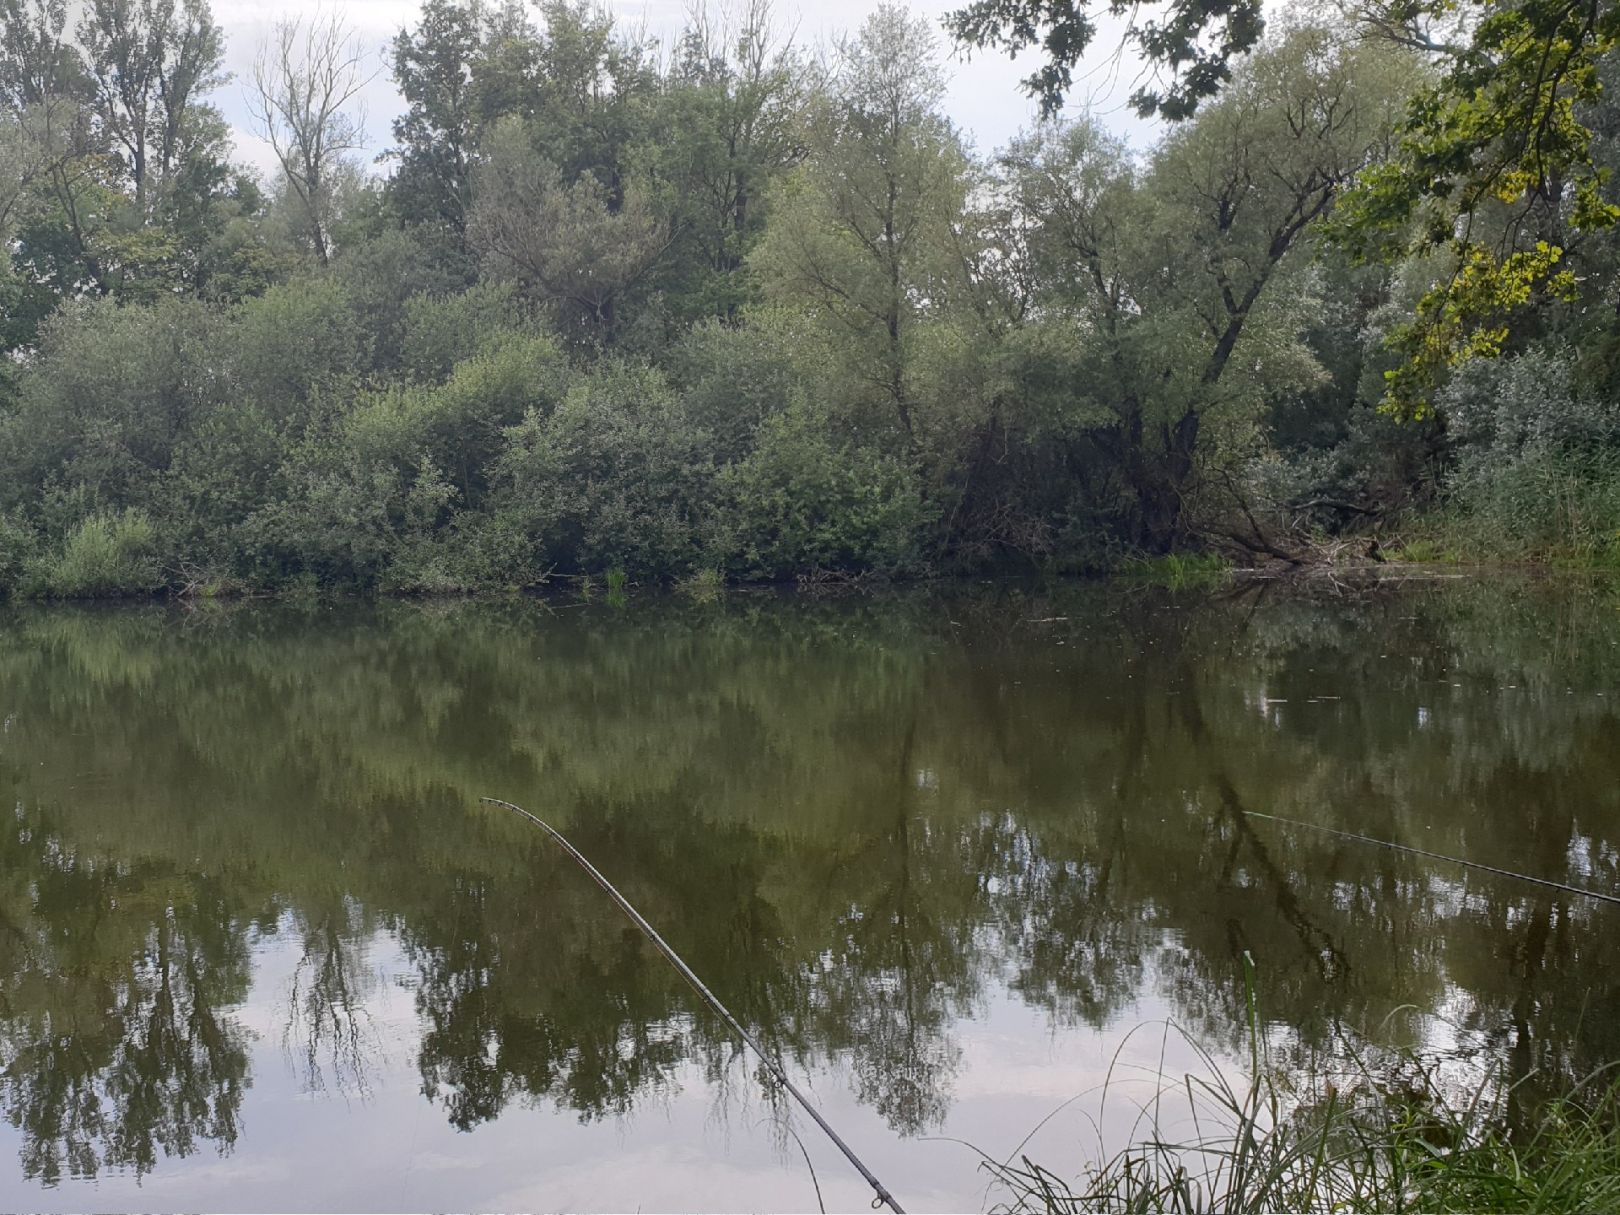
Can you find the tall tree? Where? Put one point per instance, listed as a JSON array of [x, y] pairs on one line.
[[594, 85], [861, 236], [128, 183], [1170, 272], [306, 79], [436, 136], [36, 61], [49, 137], [730, 123], [151, 62], [460, 68]]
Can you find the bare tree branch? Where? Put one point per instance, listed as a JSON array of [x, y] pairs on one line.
[[305, 80]]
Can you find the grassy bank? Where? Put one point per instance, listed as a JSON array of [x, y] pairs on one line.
[[1558, 508], [1390, 1135], [1452, 540]]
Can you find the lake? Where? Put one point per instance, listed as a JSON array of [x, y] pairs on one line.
[[959, 855]]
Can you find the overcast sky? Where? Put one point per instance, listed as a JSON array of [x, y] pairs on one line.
[[984, 99]]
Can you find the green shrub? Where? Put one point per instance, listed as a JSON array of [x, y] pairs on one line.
[[733, 377], [802, 502], [1538, 467], [1555, 505], [616, 476], [104, 555], [443, 330], [330, 515], [221, 473], [108, 396], [294, 345], [17, 546]]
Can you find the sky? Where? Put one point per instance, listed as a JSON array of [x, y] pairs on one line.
[[983, 97]]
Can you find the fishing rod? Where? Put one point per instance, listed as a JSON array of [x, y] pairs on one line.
[[1437, 856], [686, 972]]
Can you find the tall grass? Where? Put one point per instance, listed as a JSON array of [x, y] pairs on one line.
[[1554, 510], [1179, 571], [106, 554], [1375, 1133]]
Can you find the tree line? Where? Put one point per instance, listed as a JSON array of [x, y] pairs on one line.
[[727, 307]]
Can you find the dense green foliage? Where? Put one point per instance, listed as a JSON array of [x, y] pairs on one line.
[[719, 308]]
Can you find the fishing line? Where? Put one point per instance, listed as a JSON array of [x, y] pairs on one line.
[[709, 998], [1437, 856], [808, 1164]]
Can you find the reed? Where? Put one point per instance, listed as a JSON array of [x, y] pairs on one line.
[[1374, 1133], [1179, 571]]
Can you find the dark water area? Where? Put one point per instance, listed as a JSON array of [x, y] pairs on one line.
[[260, 948]]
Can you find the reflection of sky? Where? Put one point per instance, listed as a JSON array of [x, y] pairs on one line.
[[693, 1147]]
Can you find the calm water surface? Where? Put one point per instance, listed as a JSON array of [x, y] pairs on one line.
[[260, 948]]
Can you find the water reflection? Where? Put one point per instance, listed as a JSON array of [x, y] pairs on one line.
[[860, 820], [116, 1042]]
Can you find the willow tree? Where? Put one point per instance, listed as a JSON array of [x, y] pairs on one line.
[[1172, 277], [862, 237], [570, 243]]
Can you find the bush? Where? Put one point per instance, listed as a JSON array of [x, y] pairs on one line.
[[109, 395], [616, 477], [382, 272], [802, 502], [476, 551], [332, 517], [17, 545], [441, 331], [733, 377], [220, 474], [104, 555], [1538, 466], [294, 344]]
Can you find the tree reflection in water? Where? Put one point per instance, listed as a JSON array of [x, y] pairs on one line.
[[327, 1026], [116, 1046], [862, 821]]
